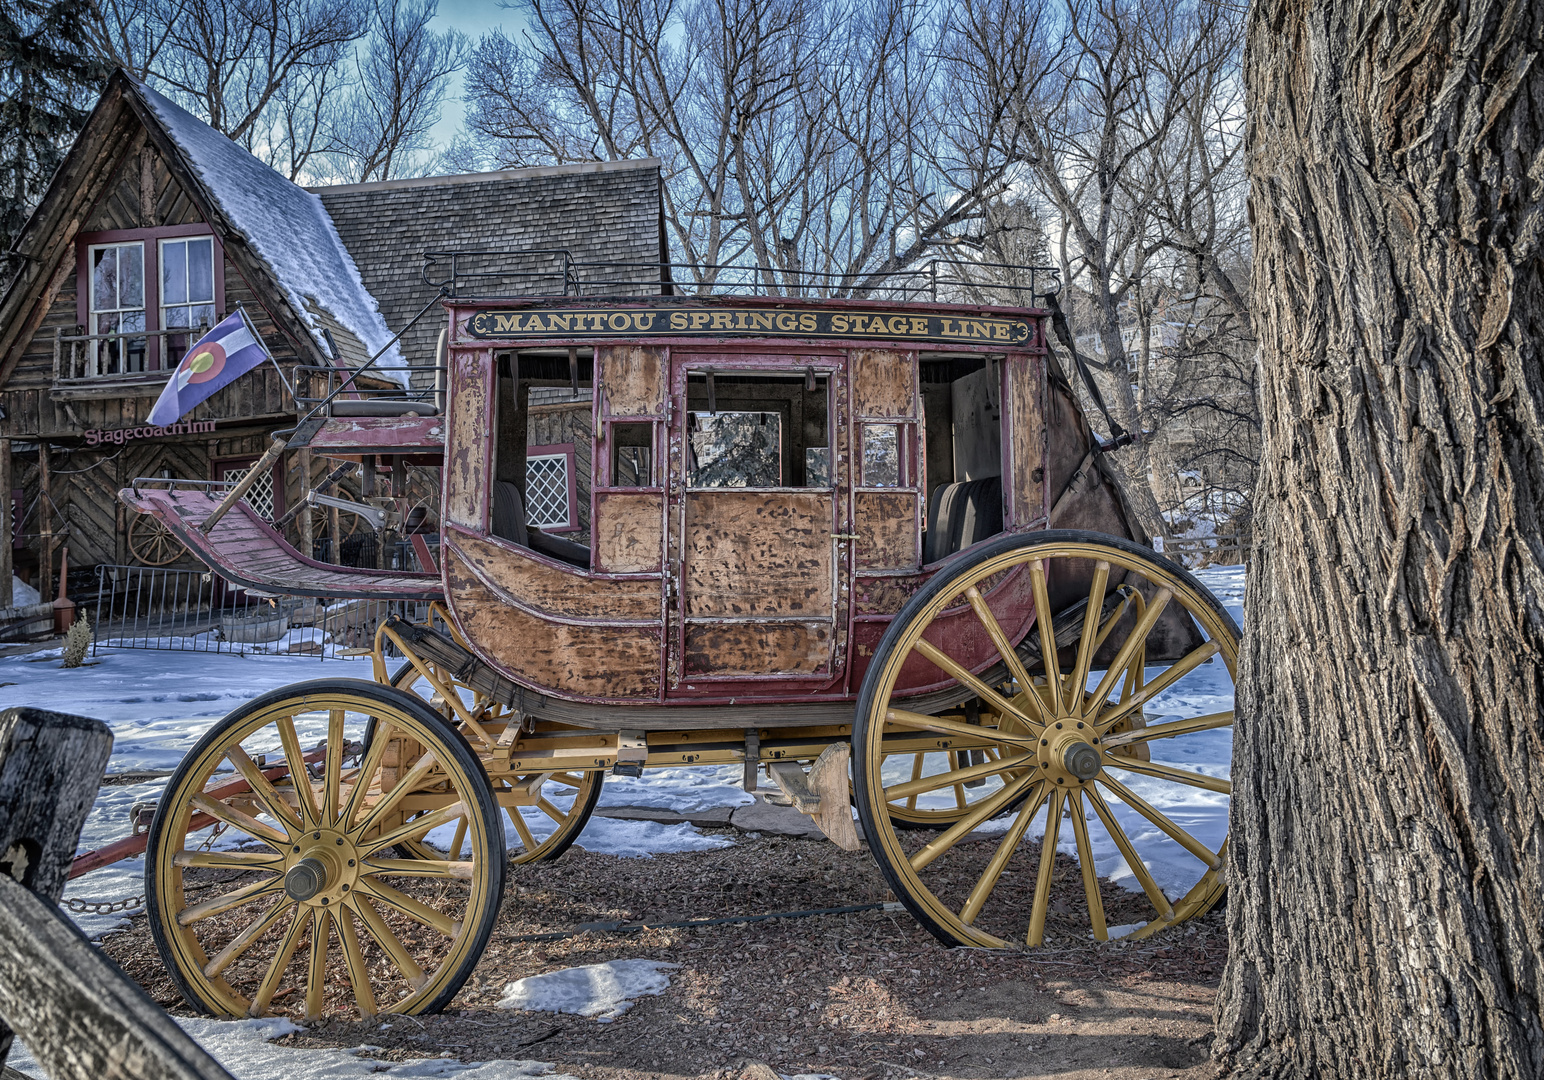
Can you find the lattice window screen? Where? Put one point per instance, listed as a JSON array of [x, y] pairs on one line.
[[260, 495], [546, 491]]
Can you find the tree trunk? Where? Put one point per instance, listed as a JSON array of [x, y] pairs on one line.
[[1387, 859]]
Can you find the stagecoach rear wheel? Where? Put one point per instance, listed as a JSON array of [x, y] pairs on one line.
[[1077, 780], [268, 896], [152, 542], [564, 800]]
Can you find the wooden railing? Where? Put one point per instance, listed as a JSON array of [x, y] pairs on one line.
[[1228, 549], [82, 1018], [75, 354]]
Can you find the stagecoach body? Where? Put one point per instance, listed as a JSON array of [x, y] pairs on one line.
[[834, 540]]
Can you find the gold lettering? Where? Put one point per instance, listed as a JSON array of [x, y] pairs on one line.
[[503, 324], [786, 320], [618, 320], [700, 319], [557, 322], [1000, 331], [678, 320], [807, 322], [979, 329], [839, 324], [760, 320], [534, 324], [643, 320], [898, 325], [919, 327], [949, 330], [721, 320]]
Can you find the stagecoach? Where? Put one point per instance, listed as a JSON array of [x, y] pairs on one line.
[[869, 550]]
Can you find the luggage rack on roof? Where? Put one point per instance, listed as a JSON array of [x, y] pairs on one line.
[[555, 272]]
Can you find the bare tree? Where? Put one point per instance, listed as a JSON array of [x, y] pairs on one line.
[[403, 73]]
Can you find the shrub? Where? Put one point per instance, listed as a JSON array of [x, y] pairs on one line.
[[77, 641]]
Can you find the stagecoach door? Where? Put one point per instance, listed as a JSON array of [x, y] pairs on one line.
[[758, 533]]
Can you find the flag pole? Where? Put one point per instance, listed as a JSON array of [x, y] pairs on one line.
[[272, 455], [252, 329]]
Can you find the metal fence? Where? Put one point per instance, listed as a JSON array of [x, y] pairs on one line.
[[142, 607]]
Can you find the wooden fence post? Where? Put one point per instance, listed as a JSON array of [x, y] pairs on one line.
[[6, 554], [82, 1016]]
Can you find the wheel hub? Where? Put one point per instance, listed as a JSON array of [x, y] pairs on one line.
[[1069, 752], [321, 868]]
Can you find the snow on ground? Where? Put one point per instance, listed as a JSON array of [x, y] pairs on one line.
[[603, 991], [22, 594], [243, 1047]]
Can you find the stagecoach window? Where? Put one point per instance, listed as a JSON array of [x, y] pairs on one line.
[[548, 490], [881, 455], [735, 449], [632, 455], [817, 466]]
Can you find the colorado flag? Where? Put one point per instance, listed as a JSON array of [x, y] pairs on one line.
[[217, 359]]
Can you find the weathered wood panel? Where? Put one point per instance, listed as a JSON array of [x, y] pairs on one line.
[[466, 449], [884, 382], [561, 592], [633, 378], [750, 553], [629, 533], [574, 659], [758, 648], [886, 525], [1027, 432]]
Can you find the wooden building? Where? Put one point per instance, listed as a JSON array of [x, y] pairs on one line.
[[156, 225]]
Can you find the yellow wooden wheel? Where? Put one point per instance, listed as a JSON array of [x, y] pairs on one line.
[[1076, 791], [152, 542], [268, 896], [559, 803]]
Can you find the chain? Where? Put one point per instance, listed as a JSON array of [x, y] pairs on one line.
[[102, 907]]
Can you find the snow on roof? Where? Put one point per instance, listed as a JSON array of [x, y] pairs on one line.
[[288, 228]]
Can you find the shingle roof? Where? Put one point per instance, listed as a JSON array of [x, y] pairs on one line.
[[606, 211]]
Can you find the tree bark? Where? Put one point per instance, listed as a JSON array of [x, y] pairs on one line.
[[1387, 846]]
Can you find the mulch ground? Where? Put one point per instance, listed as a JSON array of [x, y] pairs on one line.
[[862, 996]]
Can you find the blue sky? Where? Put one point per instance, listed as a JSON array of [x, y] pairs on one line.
[[473, 18]]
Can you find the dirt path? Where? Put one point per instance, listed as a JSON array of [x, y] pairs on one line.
[[861, 996]]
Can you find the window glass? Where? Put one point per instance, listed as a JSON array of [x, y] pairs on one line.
[[881, 455], [117, 307], [187, 291], [735, 449], [817, 466], [546, 491], [632, 455]]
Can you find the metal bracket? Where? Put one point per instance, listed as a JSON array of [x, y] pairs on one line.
[[632, 752]]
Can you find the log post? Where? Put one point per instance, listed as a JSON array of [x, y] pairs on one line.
[[6, 513], [307, 540], [45, 522], [50, 767]]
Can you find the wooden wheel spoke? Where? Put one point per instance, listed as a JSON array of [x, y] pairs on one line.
[[942, 726], [919, 786], [917, 763], [1158, 818], [1178, 670], [983, 810], [1005, 649], [410, 780], [388, 941], [430, 868], [1169, 730], [229, 902], [354, 961], [296, 761], [1043, 623], [316, 975], [457, 840], [1169, 772], [333, 766], [413, 909], [281, 811], [995, 701], [1129, 853], [229, 860], [1127, 597], [999, 862], [1134, 641], [1042, 900], [237, 819], [1086, 865], [551, 811], [1080, 668], [412, 830], [518, 821], [368, 765], [243, 941], [281, 959], [567, 779]]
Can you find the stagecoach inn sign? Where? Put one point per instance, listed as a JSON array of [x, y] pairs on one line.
[[719, 322]]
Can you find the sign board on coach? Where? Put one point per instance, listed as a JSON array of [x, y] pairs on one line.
[[119, 436]]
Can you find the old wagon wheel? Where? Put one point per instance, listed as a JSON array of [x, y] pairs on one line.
[[348, 524], [152, 542], [564, 801], [283, 898], [1072, 749]]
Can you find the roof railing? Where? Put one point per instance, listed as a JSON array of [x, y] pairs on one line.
[[536, 272]]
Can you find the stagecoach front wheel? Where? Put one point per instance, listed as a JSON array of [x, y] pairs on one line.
[[1084, 796], [272, 881]]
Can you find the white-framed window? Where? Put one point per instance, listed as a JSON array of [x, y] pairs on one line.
[[117, 299], [260, 496], [187, 291], [550, 501]]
